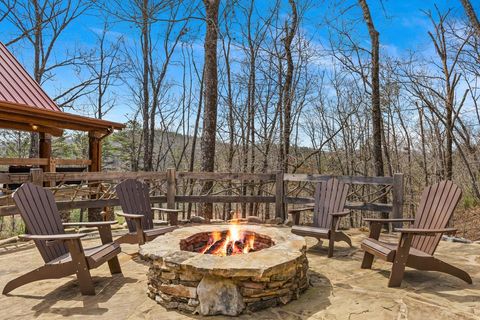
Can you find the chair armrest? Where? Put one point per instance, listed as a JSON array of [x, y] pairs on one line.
[[376, 225], [89, 224], [130, 216], [137, 218], [298, 210], [104, 228], [379, 220], [340, 214], [167, 210], [53, 237], [426, 232]]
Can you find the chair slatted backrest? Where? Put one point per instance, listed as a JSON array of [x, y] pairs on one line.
[[40, 213], [435, 210], [134, 198], [330, 197]]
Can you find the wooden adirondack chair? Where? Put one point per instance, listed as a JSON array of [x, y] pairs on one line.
[[330, 197], [63, 253], [417, 243], [134, 198]]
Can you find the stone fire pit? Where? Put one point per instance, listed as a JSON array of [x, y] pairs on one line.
[[182, 279]]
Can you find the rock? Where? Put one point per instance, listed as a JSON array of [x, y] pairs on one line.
[[219, 296], [186, 308], [193, 302], [253, 285], [254, 219], [178, 290], [286, 298], [169, 275], [197, 219], [166, 304], [262, 304], [275, 221], [288, 223], [191, 276]]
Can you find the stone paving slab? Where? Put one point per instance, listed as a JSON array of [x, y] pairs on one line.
[[340, 290]]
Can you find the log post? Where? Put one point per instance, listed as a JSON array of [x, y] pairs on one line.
[[95, 151], [397, 199], [45, 148], [95, 156], [45, 152], [279, 196], [171, 193], [36, 176]]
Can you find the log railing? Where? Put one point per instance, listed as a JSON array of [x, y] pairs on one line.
[[279, 196]]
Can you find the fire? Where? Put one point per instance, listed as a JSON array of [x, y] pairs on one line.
[[234, 241]]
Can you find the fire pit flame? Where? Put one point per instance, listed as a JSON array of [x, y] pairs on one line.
[[235, 241]]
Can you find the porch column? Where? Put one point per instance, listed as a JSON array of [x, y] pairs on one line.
[[95, 156], [45, 149], [95, 151]]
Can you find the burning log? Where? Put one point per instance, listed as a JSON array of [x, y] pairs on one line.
[[215, 246]]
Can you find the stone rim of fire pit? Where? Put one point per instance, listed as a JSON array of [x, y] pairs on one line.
[[167, 249]]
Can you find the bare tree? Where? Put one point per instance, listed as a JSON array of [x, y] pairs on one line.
[[106, 67], [42, 24], [375, 87], [6, 7], [472, 16], [210, 96], [290, 30]]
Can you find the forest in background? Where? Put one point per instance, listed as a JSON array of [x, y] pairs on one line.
[[255, 77]]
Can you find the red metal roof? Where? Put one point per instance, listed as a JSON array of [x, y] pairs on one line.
[[17, 86]]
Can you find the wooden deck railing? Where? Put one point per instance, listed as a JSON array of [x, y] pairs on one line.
[[279, 196]]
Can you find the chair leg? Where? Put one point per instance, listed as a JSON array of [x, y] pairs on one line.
[[81, 267], [400, 260], [340, 236], [396, 275], [114, 265], [42, 273], [331, 243], [367, 260], [85, 281], [434, 264]]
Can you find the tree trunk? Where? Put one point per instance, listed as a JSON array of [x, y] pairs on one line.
[[210, 97], [147, 154], [471, 16], [287, 88], [375, 96]]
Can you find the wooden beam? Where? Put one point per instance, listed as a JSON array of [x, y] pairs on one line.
[[226, 176], [73, 162], [345, 179], [30, 127], [23, 161], [43, 162], [45, 122], [63, 119]]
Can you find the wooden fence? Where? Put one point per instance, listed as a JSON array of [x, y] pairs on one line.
[[280, 196]]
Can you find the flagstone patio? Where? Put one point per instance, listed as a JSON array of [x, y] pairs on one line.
[[339, 289]]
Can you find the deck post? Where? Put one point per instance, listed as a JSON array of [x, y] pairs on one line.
[[45, 148], [45, 152], [171, 193], [95, 156], [279, 196], [95, 151], [36, 176], [397, 198]]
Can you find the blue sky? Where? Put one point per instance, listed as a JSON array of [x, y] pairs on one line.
[[402, 26]]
